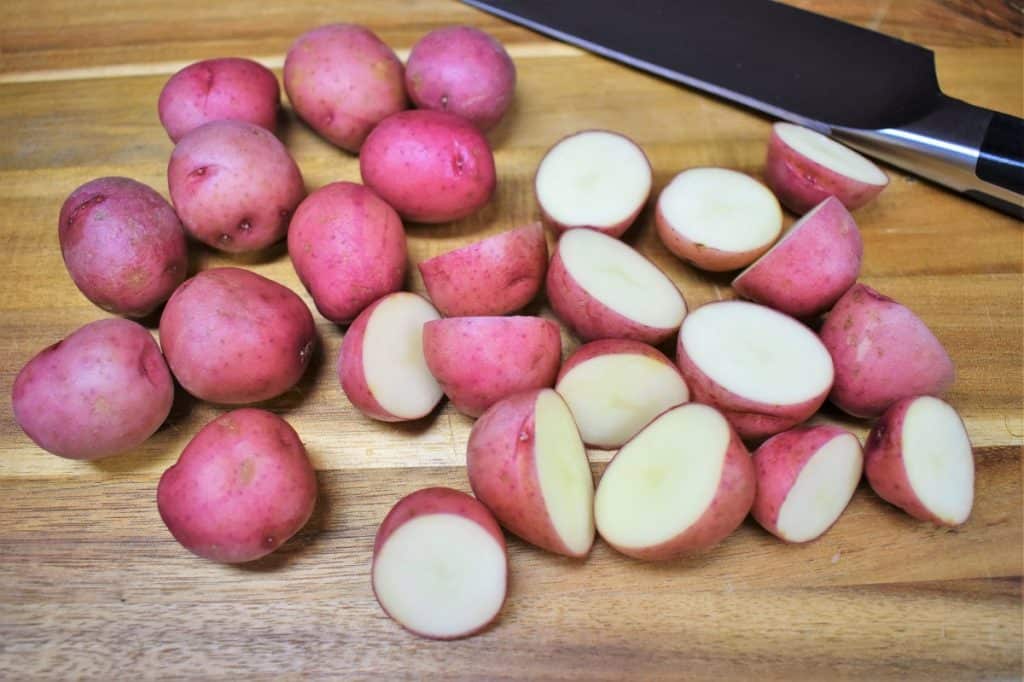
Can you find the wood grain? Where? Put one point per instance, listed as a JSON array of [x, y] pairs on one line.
[[92, 585]]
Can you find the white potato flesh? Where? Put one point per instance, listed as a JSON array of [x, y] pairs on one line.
[[564, 473], [938, 459], [621, 279], [613, 396], [722, 209], [594, 178], [757, 353], [830, 154], [663, 480], [393, 363], [786, 236], [822, 490], [441, 575]]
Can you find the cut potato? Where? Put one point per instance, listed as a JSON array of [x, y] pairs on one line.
[[440, 568], [595, 179], [602, 288], [919, 458], [614, 387], [682, 484], [717, 219], [527, 464]]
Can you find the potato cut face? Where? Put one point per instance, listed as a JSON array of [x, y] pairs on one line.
[[564, 472], [662, 481], [594, 178], [938, 458], [613, 396], [757, 353], [793, 230], [821, 490], [393, 362], [721, 209], [441, 575], [830, 154], [621, 278]]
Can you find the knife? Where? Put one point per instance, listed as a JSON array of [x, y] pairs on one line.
[[871, 91]]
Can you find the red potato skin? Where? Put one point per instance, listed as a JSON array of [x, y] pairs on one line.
[[462, 70], [431, 166], [101, 391], [494, 276], [778, 462], [801, 184], [232, 336], [595, 349], [242, 487], [480, 360], [123, 245], [234, 186], [343, 80], [882, 353], [348, 248], [217, 89], [700, 255], [812, 269]]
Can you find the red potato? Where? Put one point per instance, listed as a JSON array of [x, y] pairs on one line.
[[343, 80], [432, 166], [463, 70], [717, 219], [381, 367], [440, 567], [123, 245], [348, 248], [595, 179], [682, 484], [218, 89], [601, 288], [764, 370], [814, 263], [232, 336], [882, 352], [234, 186], [804, 168], [494, 276], [102, 391], [805, 479], [480, 360], [242, 487], [614, 387], [527, 464], [918, 457]]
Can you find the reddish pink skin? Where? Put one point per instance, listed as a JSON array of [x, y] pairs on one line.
[[436, 501], [432, 166], [778, 463], [218, 89], [480, 360], [602, 347], [234, 186], [494, 276], [883, 463], [462, 70], [700, 255], [123, 245], [241, 488], [801, 184], [809, 271], [232, 336], [902, 358], [587, 317], [502, 467], [343, 80], [348, 248], [101, 391]]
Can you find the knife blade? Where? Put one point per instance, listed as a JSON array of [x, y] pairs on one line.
[[870, 91]]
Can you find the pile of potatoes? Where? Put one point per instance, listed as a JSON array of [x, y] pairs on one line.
[[745, 372]]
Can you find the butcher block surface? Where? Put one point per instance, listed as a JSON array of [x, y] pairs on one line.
[[92, 586]]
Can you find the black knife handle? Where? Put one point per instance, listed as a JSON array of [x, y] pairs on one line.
[[1001, 157]]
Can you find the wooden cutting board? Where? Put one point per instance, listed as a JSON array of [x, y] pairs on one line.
[[93, 586]]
